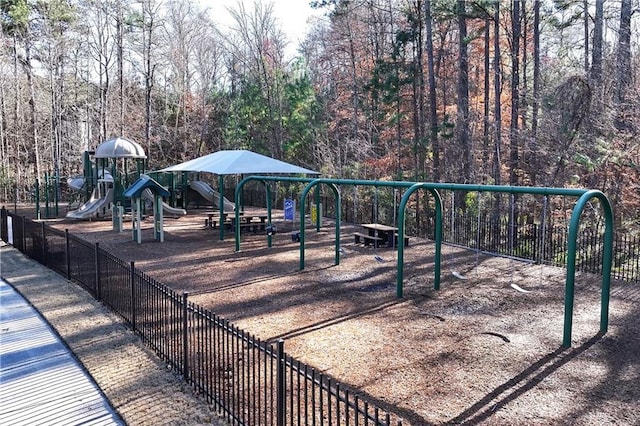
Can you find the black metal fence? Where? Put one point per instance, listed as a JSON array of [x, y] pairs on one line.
[[251, 381], [542, 242]]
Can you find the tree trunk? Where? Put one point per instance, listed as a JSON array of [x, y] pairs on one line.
[[535, 107], [119, 54], [596, 58], [148, 26], [487, 89], [463, 94], [497, 87], [32, 108], [433, 108], [4, 148], [585, 6], [623, 64], [515, 94]]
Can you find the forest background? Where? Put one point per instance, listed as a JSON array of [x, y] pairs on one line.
[[542, 93]]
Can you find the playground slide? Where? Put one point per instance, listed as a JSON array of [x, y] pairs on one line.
[[210, 195], [92, 207], [76, 183], [148, 195]]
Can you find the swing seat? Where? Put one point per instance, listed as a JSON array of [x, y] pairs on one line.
[[367, 239]]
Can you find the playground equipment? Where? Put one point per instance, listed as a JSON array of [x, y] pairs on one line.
[[98, 204], [583, 195], [146, 188], [236, 162], [149, 196], [211, 196], [109, 176]]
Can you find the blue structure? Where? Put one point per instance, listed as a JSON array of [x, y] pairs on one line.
[[136, 192]]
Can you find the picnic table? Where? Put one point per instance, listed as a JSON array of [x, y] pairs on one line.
[[378, 233], [250, 222], [214, 218]]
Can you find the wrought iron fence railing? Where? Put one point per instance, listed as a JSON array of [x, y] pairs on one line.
[[542, 242], [251, 381]]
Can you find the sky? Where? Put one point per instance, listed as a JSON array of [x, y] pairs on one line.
[[292, 15]]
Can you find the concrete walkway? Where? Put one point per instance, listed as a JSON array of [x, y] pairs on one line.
[[42, 383], [40, 380]]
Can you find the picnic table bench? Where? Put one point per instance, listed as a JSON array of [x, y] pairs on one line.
[[367, 239]]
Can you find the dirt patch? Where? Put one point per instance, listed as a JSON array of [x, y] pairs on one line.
[[485, 348]]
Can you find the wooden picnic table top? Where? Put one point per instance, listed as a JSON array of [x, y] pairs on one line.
[[379, 227]]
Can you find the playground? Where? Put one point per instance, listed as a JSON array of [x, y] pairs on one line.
[[485, 347], [490, 345]]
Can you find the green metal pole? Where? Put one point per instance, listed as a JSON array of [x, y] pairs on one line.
[[401, 226], [317, 202], [88, 175], [438, 235], [37, 194], [221, 190], [47, 212], [268, 193], [302, 227], [56, 193], [117, 182], [236, 213], [185, 189], [607, 255], [338, 219]]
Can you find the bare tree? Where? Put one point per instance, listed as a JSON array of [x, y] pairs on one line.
[[514, 153], [433, 107], [497, 88], [623, 65], [98, 15], [184, 24], [259, 44], [596, 54], [535, 107], [462, 121]]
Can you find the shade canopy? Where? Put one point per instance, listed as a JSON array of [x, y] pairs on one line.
[[119, 148], [237, 162]]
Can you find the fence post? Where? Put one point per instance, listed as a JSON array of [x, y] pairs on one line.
[[133, 296], [185, 337], [97, 269], [3, 221], [67, 260], [23, 238], [281, 384], [44, 246]]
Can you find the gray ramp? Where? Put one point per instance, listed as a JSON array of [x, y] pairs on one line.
[[41, 382]]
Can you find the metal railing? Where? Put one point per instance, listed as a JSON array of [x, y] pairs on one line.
[[250, 381], [543, 243]]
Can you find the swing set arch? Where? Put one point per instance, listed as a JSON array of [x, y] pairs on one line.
[[583, 196]]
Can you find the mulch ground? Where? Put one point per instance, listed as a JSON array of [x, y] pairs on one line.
[[485, 348]]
